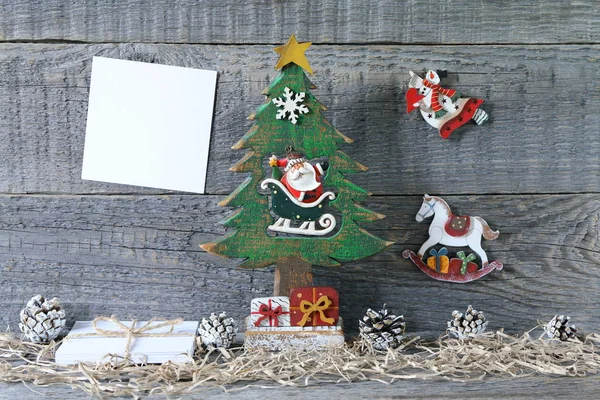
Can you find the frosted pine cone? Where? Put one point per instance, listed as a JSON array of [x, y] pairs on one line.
[[468, 325], [42, 320], [382, 329], [217, 331], [558, 328]]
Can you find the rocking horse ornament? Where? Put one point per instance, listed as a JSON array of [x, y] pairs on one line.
[[450, 230], [298, 195], [444, 109]]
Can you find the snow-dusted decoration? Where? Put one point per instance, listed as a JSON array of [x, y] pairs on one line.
[[218, 330], [292, 105], [559, 328], [42, 320], [465, 326], [382, 329]]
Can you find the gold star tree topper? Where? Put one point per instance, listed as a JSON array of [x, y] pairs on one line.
[[293, 52]]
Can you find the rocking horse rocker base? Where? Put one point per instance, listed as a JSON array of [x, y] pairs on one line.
[[451, 277]]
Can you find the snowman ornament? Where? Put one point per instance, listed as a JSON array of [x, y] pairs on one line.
[[444, 109]]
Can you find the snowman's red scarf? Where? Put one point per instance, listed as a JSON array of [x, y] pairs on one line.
[[435, 95]]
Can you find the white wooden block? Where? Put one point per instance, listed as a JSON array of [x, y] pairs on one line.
[[293, 337], [177, 347], [270, 311]]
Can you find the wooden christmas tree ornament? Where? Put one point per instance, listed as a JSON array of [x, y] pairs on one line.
[[456, 231], [444, 109], [306, 212]]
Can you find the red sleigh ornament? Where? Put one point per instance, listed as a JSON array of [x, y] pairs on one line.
[[444, 109]]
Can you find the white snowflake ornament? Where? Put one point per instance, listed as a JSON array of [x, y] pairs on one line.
[[292, 105]]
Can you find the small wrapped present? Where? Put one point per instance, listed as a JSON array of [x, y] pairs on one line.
[[439, 260], [270, 311], [106, 339], [463, 264], [314, 306]]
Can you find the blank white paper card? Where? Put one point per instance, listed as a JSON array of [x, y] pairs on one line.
[[149, 125]]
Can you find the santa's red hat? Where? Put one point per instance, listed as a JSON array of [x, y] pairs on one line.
[[292, 159]]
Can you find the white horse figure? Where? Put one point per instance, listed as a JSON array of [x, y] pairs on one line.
[[438, 230]]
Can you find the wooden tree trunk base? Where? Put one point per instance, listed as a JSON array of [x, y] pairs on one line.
[[291, 273]]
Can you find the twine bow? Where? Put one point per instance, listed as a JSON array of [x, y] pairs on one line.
[[322, 304], [132, 332], [266, 311], [465, 260]]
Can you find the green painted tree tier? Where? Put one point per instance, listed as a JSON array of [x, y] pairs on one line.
[[313, 136]]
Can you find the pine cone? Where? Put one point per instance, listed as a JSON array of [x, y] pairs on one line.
[[42, 320], [382, 329], [468, 325], [217, 331], [558, 328]]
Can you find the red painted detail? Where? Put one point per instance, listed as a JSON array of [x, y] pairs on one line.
[[466, 114], [311, 296], [267, 311], [457, 226], [456, 265], [412, 96], [310, 196], [452, 276]]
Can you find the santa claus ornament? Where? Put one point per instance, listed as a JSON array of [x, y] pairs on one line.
[[298, 199], [444, 109]]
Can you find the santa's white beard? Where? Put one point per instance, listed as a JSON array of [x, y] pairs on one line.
[[303, 179]]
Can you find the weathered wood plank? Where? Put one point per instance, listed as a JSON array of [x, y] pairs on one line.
[[490, 388], [353, 21], [544, 111], [139, 255]]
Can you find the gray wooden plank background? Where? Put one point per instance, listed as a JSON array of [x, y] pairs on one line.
[[139, 255], [533, 173], [259, 21], [543, 102]]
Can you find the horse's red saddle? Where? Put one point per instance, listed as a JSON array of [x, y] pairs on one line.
[[457, 226]]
